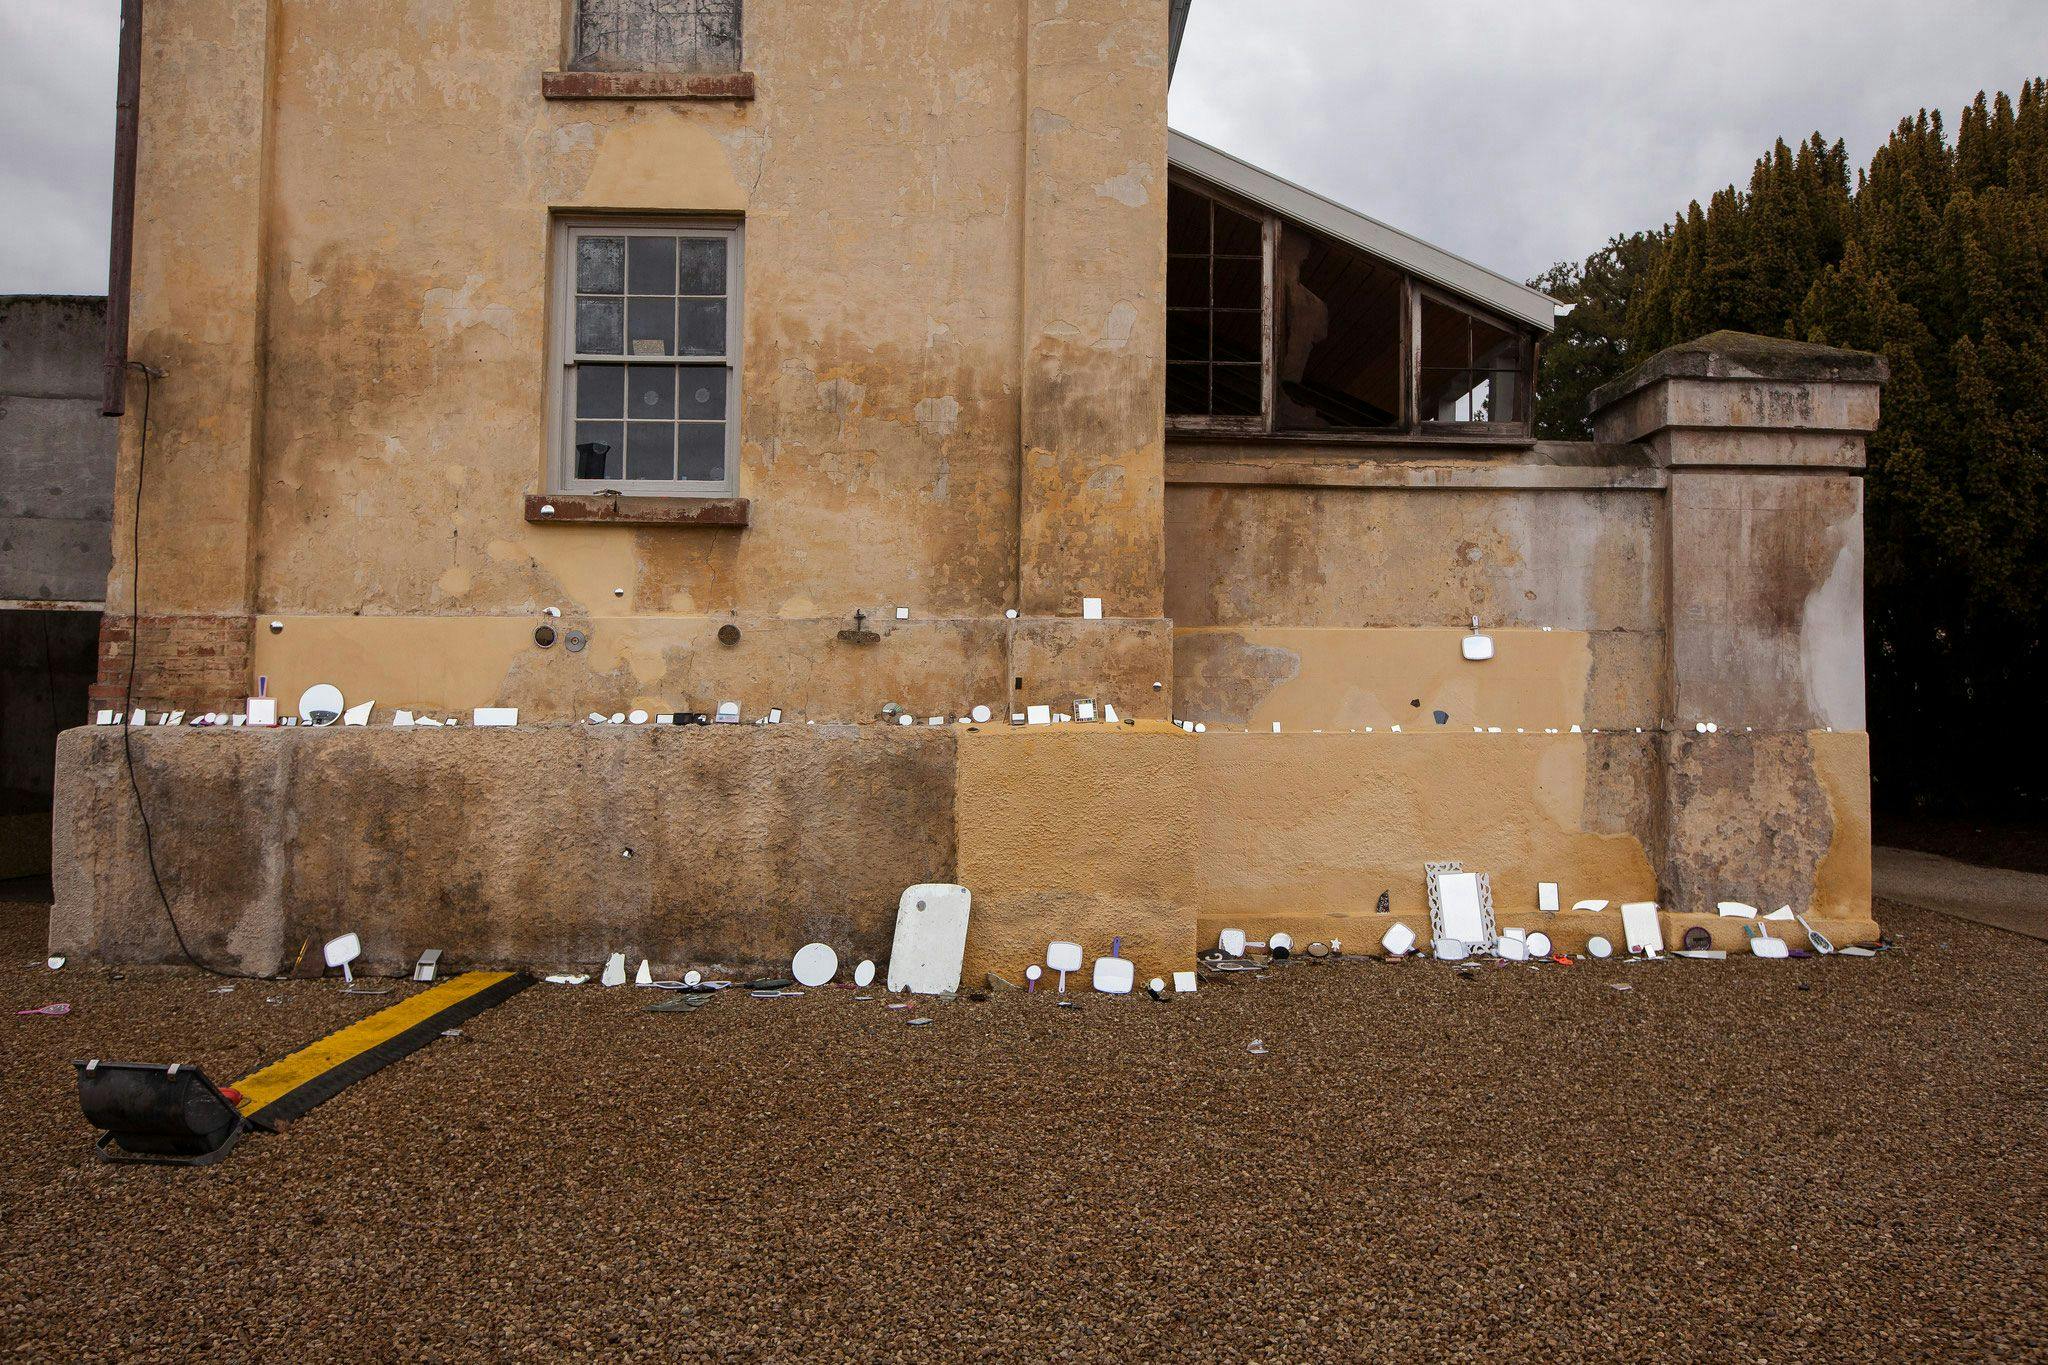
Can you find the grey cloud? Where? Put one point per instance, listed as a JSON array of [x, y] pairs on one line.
[[1522, 134], [1515, 134]]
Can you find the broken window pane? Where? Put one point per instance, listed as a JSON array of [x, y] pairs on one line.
[[1337, 335], [657, 35]]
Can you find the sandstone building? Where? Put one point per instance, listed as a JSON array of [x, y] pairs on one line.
[[591, 355]]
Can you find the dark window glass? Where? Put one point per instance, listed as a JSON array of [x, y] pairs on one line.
[[657, 35], [651, 265], [600, 392], [600, 265], [1473, 369], [1216, 308], [1336, 335], [651, 326], [650, 450], [1237, 390], [640, 421], [703, 327], [600, 449], [651, 392], [599, 325], [703, 450], [703, 265], [703, 391]]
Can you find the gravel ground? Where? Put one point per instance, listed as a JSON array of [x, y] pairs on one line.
[[1746, 1160]]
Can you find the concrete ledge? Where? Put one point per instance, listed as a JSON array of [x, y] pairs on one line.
[[1743, 355], [1566, 466], [500, 846]]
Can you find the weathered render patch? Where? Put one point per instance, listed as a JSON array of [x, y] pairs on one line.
[[502, 846]]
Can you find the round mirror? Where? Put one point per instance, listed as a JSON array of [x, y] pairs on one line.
[[1599, 947], [320, 704], [864, 974], [814, 964]]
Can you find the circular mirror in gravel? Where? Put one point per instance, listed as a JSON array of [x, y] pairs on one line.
[[814, 964]]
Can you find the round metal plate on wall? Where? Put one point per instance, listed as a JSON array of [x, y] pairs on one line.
[[574, 641]]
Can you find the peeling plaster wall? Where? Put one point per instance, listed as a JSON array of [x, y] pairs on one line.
[[953, 227]]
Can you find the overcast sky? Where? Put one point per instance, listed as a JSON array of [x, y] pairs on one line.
[[1515, 132]]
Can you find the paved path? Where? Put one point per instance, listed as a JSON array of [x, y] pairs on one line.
[[1997, 896]]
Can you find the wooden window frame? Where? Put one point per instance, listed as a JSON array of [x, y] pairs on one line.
[[1262, 421], [563, 358], [1519, 424]]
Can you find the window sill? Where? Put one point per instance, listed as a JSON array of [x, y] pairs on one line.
[[591, 508], [647, 85]]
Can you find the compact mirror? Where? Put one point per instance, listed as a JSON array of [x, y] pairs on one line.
[[320, 704]]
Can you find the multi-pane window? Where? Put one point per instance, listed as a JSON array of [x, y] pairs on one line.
[[1471, 366], [656, 35], [652, 326], [1274, 326], [1215, 308]]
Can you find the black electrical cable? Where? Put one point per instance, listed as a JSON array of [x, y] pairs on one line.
[[149, 377]]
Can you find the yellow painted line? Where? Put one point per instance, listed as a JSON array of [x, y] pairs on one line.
[[282, 1077]]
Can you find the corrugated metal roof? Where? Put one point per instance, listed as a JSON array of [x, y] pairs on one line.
[[1432, 263]]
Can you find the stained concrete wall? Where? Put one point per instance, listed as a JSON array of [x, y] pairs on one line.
[[1164, 838], [508, 846], [1319, 587], [56, 451], [500, 846], [954, 220]]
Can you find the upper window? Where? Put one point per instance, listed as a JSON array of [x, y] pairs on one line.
[[656, 35], [649, 343], [1215, 310], [1272, 326], [1472, 366]]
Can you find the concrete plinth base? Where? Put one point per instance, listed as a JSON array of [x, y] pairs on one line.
[[555, 845]]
